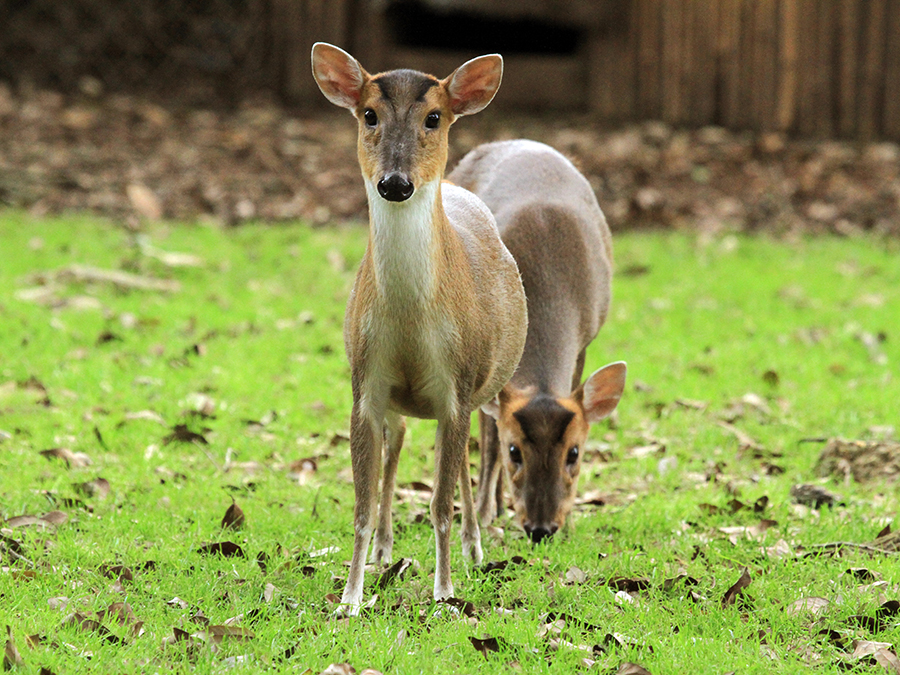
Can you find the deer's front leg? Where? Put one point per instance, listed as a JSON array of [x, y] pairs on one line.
[[366, 437], [470, 535], [488, 501], [383, 547], [452, 436]]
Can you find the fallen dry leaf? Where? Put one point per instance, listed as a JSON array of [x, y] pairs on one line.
[[217, 634], [629, 668], [339, 669], [11, 656], [226, 549], [99, 488], [813, 605], [486, 644], [182, 434], [234, 517], [396, 571], [737, 589], [72, 459]]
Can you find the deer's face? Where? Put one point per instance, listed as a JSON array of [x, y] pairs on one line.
[[540, 441], [404, 117]]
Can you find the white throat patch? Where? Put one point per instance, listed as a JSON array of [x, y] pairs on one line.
[[402, 240]]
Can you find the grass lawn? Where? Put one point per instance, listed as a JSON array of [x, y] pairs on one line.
[[135, 410]]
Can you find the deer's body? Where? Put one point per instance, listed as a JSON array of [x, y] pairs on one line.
[[550, 221], [420, 330]]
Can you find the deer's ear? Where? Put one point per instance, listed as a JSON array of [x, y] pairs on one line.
[[473, 85], [492, 408], [602, 390], [339, 75]]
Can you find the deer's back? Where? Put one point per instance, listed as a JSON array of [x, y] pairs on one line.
[[550, 221]]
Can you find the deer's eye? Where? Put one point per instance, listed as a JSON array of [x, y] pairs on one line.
[[572, 456], [433, 120], [515, 455], [370, 117]]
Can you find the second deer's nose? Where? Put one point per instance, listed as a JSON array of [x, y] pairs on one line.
[[395, 187], [539, 532]]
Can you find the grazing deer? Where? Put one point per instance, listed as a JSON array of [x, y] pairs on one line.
[[436, 321], [550, 221]]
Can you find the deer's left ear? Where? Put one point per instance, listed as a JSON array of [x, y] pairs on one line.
[[339, 75], [473, 85], [602, 390]]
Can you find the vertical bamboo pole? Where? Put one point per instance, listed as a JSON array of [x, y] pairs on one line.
[[787, 66], [891, 114], [848, 18], [765, 63], [648, 25], [727, 55], [703, 48], [825, 91], [672, 36], [871, 80]]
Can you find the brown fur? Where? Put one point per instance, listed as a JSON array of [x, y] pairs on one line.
[[550, 220], [419, 330]]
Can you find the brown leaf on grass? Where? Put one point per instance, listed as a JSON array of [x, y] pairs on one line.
[[464, 607], [865, 650], [226, 549], [339, 669], [669, 584], [73, 460], [218, 634], [737, 589], [815, 496], [302, 470], [487, 644], [89, 625], [11, 656], [233, 518], [887, 660], [49, 521], [182, 434], [99, 488], [496, 566], [575, 575], [629, 585], [116, 572], [629, 668], [814, 605], [396, 571]]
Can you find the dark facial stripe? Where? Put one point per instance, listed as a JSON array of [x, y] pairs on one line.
[[396, 81], [543, 420]]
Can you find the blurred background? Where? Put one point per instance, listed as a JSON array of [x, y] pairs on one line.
[[737, 115]]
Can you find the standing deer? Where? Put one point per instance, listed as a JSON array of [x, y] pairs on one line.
[[436, 321], [550, 221]]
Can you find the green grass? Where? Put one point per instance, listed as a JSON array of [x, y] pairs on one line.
[[254, 334]]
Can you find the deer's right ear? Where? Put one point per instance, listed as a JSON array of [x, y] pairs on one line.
[[473, 85], [492, 408], [339, 75]]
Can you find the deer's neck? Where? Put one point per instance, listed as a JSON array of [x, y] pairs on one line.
[[403, 239]]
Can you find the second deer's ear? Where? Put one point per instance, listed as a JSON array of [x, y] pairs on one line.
[[339, 75], [602, 391], [473, 85]]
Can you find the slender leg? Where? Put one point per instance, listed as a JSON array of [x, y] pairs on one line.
[[471, 535], [490, 488], [384, 535], [366, 438], [452, 436]]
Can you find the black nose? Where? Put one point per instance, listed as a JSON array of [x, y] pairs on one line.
[[539, 532], [395, 187]]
